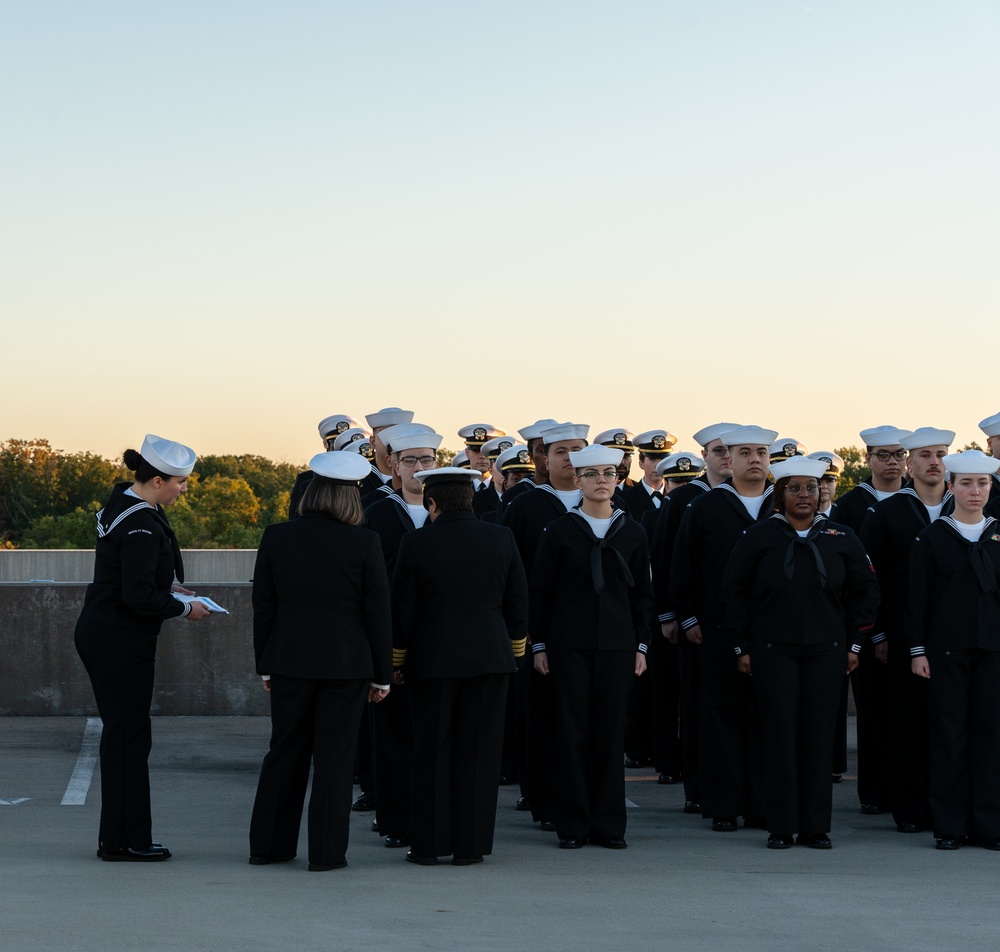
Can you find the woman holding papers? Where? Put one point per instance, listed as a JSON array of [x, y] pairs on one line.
[[136, 561], [323, 642]]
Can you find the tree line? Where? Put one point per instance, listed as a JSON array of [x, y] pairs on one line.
[[48, 498]]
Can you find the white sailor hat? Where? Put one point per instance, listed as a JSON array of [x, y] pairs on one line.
[[884, 436], [476, 434], [798, 466], [834, 463], [390, 434], [340, 467], [564, 431], [784, 447], [927, 436], [709, 433], [491, 449], [415, 440], [596, 455], [350, 436], [991, 425], [654, 442], [535, 430], [515, 458], [168, 456], [748, 436], [617, 436], [363, 447], [447, 474], [388, 416], [335, 424], [460, 460], [681, 466], [971, 461]]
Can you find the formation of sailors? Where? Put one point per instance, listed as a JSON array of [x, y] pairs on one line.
[[703, 619]]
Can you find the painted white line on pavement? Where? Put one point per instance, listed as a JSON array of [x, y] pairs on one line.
[[79, 783], [13, 801], [631, 805]]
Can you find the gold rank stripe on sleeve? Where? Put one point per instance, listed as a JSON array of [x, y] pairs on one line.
[[518, 645], [398, 657]]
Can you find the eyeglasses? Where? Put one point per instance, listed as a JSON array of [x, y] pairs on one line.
[[590, 474], [794, 489], [883, 456], [410, 461]]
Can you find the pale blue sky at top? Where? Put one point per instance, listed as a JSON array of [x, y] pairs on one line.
[[223, 221]]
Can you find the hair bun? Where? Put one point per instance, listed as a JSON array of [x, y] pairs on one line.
[[132, 459]]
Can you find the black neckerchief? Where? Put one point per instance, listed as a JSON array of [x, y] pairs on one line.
[[979, 561], [797, 541], [618, 520]]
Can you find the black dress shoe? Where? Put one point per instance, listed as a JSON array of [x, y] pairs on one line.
[[396, 840], [522, 804], [907, 828], [871, 809], [267, 860], [690, 806], [412, 857], [326, 867], [636, 762], [152, 846], [572, 842], [816, 841], [837, 778], [990, 843], [948, 843], [547, 826], [506, 780], [466, 860], [667, 778], [611, 843], [155, 854], [364, 803], [780, 841], [374, 826], [724, 824]]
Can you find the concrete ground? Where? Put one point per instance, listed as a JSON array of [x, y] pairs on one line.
[[679, 886]]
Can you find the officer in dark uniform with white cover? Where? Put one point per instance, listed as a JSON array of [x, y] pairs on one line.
[[329, 429], [457, 667]]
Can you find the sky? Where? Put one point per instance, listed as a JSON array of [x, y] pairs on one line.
[[223, 221]]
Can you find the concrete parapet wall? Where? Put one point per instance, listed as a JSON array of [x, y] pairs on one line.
[[77, 565], [202, 668]]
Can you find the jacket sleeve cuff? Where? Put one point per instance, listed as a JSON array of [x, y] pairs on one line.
[[537, 647], [879, 638], [642, 647], [667, 616], [689, 623], [918, 652], [379, 687]]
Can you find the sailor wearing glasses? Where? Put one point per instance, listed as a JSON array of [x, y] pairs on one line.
[[412, 449], [798, 594], [888, 534], [886, 458], [589, 611]]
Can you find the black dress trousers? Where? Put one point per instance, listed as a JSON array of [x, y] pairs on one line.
[[689, 672], [392, 758], [908, 739], [870, 682], [311, 720], [590, 692], [798, 688], [730, 745], [120, 664], [458, 726], [965, 742]]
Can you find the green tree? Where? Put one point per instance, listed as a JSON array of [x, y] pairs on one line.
[[74, 530], [855, 470]]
